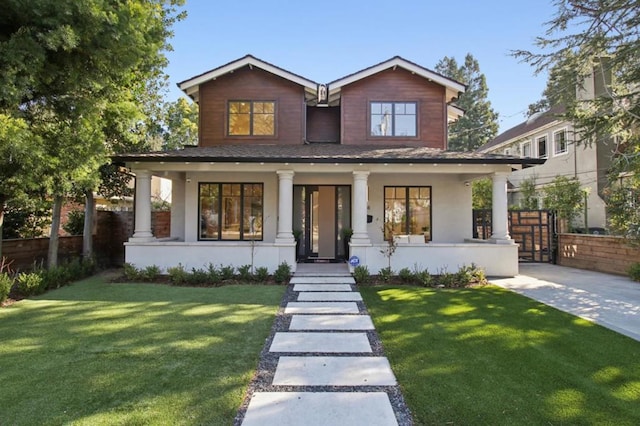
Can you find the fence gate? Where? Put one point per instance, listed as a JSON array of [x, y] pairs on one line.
[[533, 230]]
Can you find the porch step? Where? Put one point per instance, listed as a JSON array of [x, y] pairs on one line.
[[333, 371], [321, 308], [337, 279], [320, 342], [322, 287], [320, 409], [330, 296], [331, 322]]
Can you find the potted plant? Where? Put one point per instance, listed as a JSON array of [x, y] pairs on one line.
[[346, 238]]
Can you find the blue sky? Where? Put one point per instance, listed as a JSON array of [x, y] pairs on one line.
[[327, 40]]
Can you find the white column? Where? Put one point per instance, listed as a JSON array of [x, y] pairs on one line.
[[285, 207], [359, 214], [142, 230], [499, 221]]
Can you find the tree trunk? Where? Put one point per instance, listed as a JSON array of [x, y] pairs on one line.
[[52, 258], [87, 232]]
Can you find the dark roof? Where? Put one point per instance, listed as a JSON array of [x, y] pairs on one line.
[[323, 153], [534, 122]]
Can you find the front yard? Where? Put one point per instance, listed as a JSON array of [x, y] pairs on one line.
[[95, 353], [488, 356]]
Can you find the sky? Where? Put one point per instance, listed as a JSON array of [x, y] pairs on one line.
[[327, 40]]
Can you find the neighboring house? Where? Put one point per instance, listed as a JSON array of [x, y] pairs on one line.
[[547, 136], [280, 155]]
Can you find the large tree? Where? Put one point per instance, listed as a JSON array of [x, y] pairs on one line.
[[602, 36], [480, 122], [65, 65]]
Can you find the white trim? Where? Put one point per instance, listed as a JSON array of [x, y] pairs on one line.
[[521, 136], [546, 143], [564, 130], [522, 144]]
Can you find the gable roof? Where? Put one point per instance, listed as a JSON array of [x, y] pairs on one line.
[[536, 121], [191, 86], [453, 88]]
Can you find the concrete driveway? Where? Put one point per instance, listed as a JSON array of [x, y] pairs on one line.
[[609, 300]]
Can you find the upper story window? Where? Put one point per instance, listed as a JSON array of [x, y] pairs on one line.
[[560, 142], [396, 119], [525, 149], [507, 151], [252, 118], [542, 147], [230, 211]]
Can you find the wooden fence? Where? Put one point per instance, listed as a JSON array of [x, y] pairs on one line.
[[603, 253]]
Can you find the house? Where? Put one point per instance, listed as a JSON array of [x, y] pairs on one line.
[[548, 136], [282, 158]]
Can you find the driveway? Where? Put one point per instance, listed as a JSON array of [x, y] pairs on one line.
[[609, 300]]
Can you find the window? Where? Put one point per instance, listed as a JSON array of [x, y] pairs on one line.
[[397, 119], [542, 147], [525, 148], [560, 142], [407, 210], [230, 211], [252, 118], [507, 151]]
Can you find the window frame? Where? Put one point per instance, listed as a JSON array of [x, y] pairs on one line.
[[546, 146], [251, 114], [555, 142], [393, 119], [220, 213], [522, 145], [407, 214]]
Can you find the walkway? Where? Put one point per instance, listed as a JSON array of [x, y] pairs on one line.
[[609, 300], [323, 363]]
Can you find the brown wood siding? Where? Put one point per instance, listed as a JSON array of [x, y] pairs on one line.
[[254, 85], [323, 124], [398, 86]]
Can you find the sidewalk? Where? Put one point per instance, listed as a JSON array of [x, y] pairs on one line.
[[609, 300]]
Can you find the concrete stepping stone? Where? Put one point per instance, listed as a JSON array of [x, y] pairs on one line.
[[331, 322], [333, 371], [320, 342], [322, 287], [321, 308], [322, 280], [320, 409], [329, 296]]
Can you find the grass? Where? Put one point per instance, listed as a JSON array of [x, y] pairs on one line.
[[95, 353], [489, 356]]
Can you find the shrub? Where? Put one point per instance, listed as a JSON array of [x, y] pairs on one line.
[[385, 274], [227, 272], [361, 274], [634, 271], [197, 276], [262, 273], [424, 278], [131, 272], [447, 279], [30, 284], [214, 274], [406, 275], [150, 273], [56, 277], [282, 273], [244, 272], [177, 275], [6, 282], [75, 223]]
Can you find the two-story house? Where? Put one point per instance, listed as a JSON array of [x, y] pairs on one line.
[[282, 158], [548, 136]]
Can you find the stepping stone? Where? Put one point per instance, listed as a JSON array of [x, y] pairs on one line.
[[320, 342], [327, 296], [319, 409], [322, 280], [331, 322], [321, 308], [322, 287], [333, 371]]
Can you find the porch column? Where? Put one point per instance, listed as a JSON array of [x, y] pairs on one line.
[[359, 215], [142, 231], [499, 221], [285, 207]]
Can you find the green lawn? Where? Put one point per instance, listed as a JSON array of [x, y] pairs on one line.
[[95, 353], [486, 356]]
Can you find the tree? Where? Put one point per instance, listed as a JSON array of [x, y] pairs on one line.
[[528, 191], [482, 194], [46, 49], [480, 122], [564, 196], [588, 35], [180, 124]]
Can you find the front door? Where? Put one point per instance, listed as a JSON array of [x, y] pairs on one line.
[[321, 213]]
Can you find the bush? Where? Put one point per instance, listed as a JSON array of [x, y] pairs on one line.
[[361, 274], [634, 271], [386, 274], [75, 223], [131, 273], [282, 273], [30, 284], [177, 275], [198, 276], [150, 273], [424, 278], [6, 282], [227, 272], [262, 273], [214, 275], [244, 272], [406, 275]]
